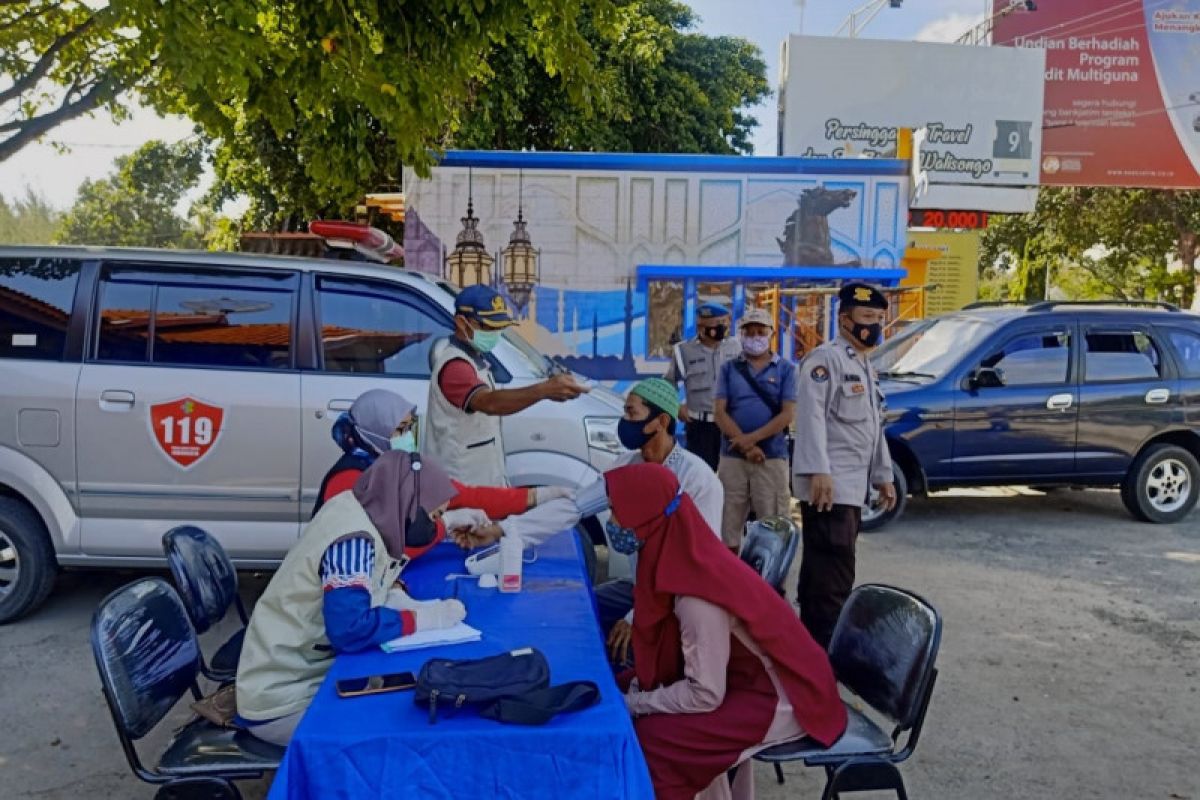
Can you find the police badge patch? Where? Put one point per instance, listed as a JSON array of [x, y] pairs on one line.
[[819, 374]]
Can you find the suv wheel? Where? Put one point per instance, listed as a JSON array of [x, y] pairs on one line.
[[873, 515], [27, 563], [1162, 485]]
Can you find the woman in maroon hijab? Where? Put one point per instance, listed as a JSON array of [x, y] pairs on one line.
[[723, 666]]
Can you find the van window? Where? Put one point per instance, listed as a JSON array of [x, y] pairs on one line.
[[1187, 347], [36, 295], [175, 318], [1120, 356], [374, 329]]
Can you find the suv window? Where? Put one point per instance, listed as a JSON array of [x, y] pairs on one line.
[[373, 329], [1187, 347], [1120, 355], [36, 295], [219, 319], [1033, 358]]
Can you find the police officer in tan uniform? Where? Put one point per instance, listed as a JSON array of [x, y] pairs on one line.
[[840, 452], [697, 363]]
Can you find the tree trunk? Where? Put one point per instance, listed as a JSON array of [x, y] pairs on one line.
[[1188, 250]]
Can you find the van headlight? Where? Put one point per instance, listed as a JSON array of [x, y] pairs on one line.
[[602, 434]]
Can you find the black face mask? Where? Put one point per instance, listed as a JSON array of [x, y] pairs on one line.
[[868, 335], [421, 529], [632, 433], [716, 332]]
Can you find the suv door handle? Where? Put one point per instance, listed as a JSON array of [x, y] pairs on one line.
[[1156, 396], [1060, 402]]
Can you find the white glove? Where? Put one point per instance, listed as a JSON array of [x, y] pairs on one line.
[[544, 494], [470, 518], [438, 614]]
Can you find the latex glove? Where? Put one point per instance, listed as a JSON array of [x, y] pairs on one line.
[[544, 494], [468, 518], [438, 614]]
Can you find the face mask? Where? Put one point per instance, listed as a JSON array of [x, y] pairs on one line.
[[421, 530], [716, 332], [623, 540], [632, 433], [485, 341], [756, 345], [406, 441], [869, 335]]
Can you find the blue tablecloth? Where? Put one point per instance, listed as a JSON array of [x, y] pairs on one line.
[[384, 746]]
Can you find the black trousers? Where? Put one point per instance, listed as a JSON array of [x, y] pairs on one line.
[[704, 439], [826, 566]]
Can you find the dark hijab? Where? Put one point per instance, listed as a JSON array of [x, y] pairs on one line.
[[393, 493]]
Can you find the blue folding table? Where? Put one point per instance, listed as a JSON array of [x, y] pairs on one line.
[[384, 746]]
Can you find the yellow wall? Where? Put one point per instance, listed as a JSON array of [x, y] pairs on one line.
[[956, 272]]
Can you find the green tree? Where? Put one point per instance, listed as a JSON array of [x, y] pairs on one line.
[[27, 220], [342, 93], [60, 59], [135, 206], [1098, 243], [666, 88]]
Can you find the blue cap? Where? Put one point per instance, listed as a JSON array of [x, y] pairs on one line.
[[484, 304], [711, 310]]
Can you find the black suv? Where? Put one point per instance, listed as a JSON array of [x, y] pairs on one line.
[[1081, 394]]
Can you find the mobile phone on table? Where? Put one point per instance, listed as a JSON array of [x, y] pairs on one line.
[[376, 684]]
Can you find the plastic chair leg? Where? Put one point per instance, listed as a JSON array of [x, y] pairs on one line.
[[864, 776], [198, 789]]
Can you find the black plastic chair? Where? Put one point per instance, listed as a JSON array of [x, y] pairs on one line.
[[208, 585], [148, 657], [770, 548], [884, 649]]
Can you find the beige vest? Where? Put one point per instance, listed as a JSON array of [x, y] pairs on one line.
[[469, 446], [286, 654]]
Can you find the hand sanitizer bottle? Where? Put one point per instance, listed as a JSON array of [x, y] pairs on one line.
[[511, 551]]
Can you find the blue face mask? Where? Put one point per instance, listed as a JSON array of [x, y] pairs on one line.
[[623, 540], [406, 441]]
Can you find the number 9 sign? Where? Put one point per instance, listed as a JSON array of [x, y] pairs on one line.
[[186, 429]]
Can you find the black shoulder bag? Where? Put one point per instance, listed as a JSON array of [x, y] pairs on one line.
[[512, 687], [773, 405]]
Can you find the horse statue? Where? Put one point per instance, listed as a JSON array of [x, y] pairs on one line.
[[806, 240]]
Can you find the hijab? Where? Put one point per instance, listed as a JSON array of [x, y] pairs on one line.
[[395, 489], [375, 415], [681, 557]]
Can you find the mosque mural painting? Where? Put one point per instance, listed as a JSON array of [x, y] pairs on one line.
[[599, 220]]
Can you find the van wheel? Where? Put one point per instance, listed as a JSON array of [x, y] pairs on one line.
[[1162, 485], [874, 517], [27, 563]]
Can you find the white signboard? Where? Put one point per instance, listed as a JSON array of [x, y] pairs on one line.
[[981, 108]]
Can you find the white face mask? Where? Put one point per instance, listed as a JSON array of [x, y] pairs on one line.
[[756, 345]]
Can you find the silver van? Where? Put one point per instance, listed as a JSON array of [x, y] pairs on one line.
[[143, 389]]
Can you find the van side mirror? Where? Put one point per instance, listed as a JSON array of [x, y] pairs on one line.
[[986, 378]]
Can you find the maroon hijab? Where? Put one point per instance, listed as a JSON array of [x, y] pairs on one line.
[[388, 492], [681, 556]]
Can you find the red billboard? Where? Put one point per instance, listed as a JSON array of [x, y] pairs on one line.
[[1122, 96]]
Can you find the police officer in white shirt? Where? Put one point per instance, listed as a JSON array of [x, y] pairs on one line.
[[840, 452], [697, 364]]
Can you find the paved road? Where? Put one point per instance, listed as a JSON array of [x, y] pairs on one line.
[[1069, 666]]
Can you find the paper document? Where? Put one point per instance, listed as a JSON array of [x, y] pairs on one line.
[[462, 632]]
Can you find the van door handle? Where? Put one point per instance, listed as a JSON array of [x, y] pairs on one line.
[[1157, 396], [340, 405], [1060, 402], [117, 397]]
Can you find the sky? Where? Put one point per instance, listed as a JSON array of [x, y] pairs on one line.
[[93, 143]]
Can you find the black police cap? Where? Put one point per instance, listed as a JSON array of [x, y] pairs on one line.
[[858, 294]]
